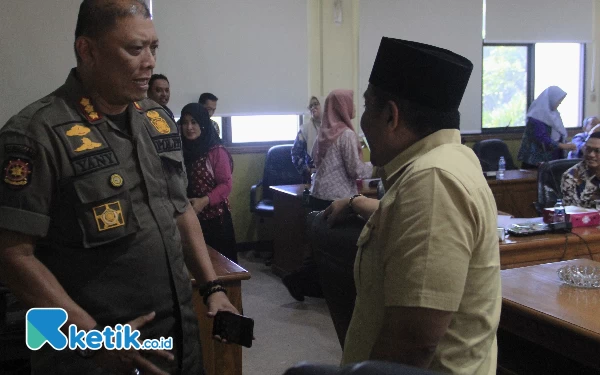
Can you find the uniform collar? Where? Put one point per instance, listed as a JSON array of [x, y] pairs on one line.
[[392, 170]]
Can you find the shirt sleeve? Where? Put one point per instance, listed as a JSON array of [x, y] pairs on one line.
[[568, 188], [355, 167], [27, 186], [219, 159], [437, 227], [540, 131]]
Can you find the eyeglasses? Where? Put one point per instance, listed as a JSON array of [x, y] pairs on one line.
[[589, 150], [313, 105]]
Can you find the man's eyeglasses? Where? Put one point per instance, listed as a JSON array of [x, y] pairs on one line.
[[589, 150], [313, 105]]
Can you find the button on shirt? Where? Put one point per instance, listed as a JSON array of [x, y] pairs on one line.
[[432, 243], [580, 187]]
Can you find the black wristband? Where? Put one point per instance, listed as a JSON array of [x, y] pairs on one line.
[[216, 289], [352, 200], [209, 285]]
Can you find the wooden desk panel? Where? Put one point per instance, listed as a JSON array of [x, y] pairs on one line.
[[516, 192], [220, 359], [547, 248], [538, 308], [290, 242]]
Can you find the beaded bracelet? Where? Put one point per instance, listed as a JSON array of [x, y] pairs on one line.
[[209, 285], [215, 289]]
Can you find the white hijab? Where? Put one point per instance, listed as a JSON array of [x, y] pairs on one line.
[[544, 109]]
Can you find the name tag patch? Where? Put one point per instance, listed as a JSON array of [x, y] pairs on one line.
[[90, 163], [109, 216], [167, 143]]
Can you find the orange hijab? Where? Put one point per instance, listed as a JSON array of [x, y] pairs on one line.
[[336, 118]]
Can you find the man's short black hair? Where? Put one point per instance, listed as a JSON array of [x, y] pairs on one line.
[[207, 96], [97, 16], [420, 119], [154, 78]]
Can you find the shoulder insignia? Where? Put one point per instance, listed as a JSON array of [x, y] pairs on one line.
[[137, 106], [88, 110], [109, 216], [158, 122], [17, 173]]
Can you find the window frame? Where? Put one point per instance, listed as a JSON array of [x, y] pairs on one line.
[[250, 147], [530, 83]]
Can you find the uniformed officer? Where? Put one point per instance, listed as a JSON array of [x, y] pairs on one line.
[[94, 216]]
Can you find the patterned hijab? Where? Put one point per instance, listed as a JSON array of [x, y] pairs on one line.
[[543, 109], [193, 149], [335, 119]]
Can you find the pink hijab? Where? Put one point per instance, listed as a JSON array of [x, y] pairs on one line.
[[336, 118]]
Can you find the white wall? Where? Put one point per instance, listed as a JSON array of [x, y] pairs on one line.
[[455, 25], [36, 40]]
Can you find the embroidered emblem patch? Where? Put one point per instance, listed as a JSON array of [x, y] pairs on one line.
[[109, 216], [158, 122], [88, 144], [78, 130], [116, 180], [17, 173]]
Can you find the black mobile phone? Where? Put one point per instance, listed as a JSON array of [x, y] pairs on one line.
[[234, 328]]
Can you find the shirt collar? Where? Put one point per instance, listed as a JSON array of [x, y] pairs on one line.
[[392, 170]]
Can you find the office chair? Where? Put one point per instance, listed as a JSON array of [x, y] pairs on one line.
[[548, 186], [489, 151], [361, 368], [279, 170]]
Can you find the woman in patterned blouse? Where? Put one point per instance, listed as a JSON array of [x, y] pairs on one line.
[[209, 166], [580, 183]]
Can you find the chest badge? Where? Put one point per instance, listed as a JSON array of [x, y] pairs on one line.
[[88, 144], [116, 180], [78, 131], [158, 122], [109, 216], [17, 173]]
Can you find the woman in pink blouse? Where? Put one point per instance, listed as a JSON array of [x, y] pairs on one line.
[[209, 166], [337, 152]]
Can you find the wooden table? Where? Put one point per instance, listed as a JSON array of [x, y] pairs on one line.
[[516, 192], [290, 241], [221, 359], [547, 326], [546, 248]]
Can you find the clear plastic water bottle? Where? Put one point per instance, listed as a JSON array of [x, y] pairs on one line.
[[559, 212], [501, 167]]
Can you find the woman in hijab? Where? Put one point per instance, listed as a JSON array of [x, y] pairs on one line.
[[209, 166], [303, 145], [337, 152], [545, 136]]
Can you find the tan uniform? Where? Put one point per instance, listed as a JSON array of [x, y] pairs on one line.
[[432, 243], [103, 201]]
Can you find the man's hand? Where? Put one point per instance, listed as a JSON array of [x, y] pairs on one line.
[[219, 302], [198, 204], [567, 146], [337, 212], [127, 361]]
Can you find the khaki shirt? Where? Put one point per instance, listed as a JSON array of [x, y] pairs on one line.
[[103, 203], [432, 243]]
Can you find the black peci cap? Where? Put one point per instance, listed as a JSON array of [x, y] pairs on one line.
[[428, 75]]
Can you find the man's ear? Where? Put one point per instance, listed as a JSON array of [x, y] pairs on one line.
[[85, 48], [393, 115]]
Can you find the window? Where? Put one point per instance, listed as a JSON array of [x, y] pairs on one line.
[[514, 75], [263, 128]]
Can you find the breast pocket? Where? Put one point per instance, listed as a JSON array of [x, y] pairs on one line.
[[104, 208], [176, 179]]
